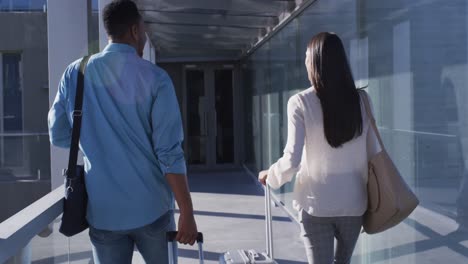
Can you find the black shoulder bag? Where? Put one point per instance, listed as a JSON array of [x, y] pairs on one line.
[[76, 198]]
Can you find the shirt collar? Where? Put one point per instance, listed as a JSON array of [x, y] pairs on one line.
[[119, 47]]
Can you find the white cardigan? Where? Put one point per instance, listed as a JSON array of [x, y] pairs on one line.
[[330, 181]]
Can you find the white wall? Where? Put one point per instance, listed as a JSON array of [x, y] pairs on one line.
[[67, 27]]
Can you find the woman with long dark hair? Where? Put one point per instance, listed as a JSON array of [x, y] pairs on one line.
[[328, 147]]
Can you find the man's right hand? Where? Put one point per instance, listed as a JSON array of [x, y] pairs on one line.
[[187, 233], [187, 229]]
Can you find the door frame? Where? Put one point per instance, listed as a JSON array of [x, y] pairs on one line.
[[209, 69]]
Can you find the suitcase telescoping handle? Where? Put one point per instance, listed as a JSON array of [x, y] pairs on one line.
[[171, 236], [269, 225]]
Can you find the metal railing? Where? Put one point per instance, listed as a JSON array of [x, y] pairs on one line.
[[413, 163], [17, 231]]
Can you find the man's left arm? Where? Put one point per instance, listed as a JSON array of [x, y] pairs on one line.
[[60, 129]]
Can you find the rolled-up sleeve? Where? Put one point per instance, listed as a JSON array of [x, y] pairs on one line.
[[60, 129], [288, 165], [168, 133]]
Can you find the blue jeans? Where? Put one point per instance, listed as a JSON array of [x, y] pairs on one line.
[[116, 247]]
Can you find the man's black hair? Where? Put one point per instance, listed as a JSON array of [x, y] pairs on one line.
[[119, 16]]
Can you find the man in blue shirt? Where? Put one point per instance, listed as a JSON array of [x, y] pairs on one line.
[[131, 142]]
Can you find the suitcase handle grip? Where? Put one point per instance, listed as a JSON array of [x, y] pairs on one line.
[[171, 236]]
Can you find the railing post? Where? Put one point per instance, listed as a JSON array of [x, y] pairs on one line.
[[23, 257]]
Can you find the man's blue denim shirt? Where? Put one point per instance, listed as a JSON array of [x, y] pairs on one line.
[[131, 136]]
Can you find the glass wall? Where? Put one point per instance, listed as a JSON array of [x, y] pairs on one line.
[[412, 57]]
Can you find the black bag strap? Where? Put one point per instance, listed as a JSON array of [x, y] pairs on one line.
[[77, 116]]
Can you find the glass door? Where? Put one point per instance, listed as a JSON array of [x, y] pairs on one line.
[[224, 116], [197, 117], [210, 116]]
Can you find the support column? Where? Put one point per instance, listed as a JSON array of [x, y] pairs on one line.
[[103, 40], [147, 52], [153, 54], [67, 29]]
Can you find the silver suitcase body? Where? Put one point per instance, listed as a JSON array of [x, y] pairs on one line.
[[241, 256], [245, 257]]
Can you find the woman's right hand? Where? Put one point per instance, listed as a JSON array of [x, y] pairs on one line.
[[262, 176]]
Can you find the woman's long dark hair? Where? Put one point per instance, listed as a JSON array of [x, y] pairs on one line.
[[333, 81]]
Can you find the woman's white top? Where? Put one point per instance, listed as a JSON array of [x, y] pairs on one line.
[[330, 181]]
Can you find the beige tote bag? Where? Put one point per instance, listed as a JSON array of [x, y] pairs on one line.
[[390, 200]]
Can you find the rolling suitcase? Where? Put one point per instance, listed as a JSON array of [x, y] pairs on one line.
[[242, 256], [170, 237]]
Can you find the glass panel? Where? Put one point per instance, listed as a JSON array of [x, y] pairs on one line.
[[224, 116], [12, 93], [197, 102], [284, 72], [12, 152], [413, 58], [417, 81], [260, 83], [248, 115], [49, 246]]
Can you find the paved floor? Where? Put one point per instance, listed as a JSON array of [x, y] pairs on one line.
[[232, 217], [230, 211]]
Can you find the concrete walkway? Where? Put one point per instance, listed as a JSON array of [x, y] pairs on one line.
[[229, 209], [230, 212]]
